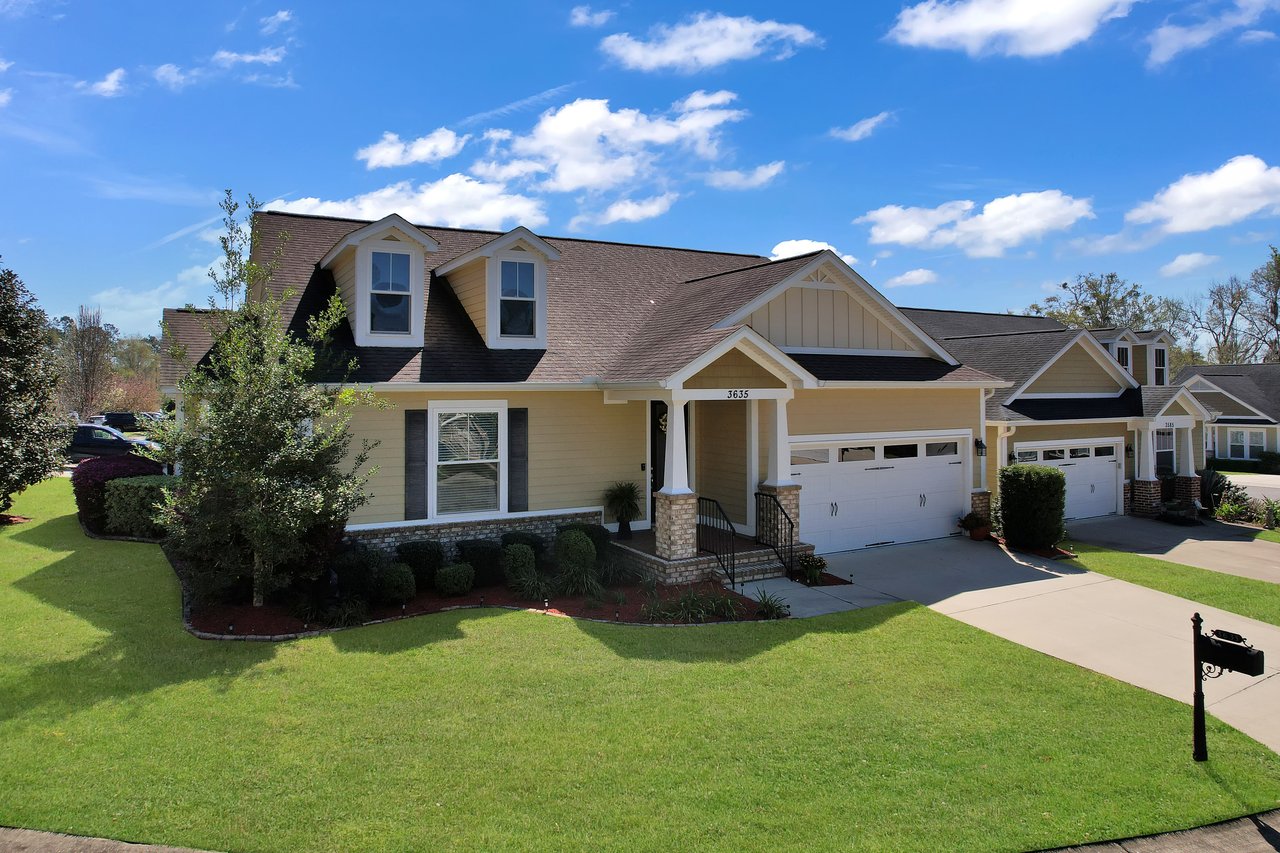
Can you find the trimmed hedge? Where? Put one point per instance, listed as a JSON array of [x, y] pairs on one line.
[[455, 580], [597, 533], [524, 537], [485, 557], [133, 504], [424, 557], [395, 584], [358, 568], [1033, 503], [1239, 466], [89, 483], [576, 557]]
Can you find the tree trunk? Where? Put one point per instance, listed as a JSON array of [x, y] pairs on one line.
[[259, 580]]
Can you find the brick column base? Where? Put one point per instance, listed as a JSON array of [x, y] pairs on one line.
[[1146, 498], [675, 529], [1186, 488], [980, 502], [1128, 497], [789, 497]]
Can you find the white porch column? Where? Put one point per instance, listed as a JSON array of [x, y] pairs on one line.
[[1186, 453], [1146, 453], [675, 474], [780, 447]]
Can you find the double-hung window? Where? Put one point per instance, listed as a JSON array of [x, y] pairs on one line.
[[1245, 444], [1122, 356], [390, 301], [518, 307], [469, 458], [1166, 462], [1161, 356]]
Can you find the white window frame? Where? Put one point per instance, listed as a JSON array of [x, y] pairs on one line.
[[364, 295], [1156, 450], [1247, 443], [493, 285], [1127, 361], [1156, 377], [502, 297], [450, 407], [408, 294]]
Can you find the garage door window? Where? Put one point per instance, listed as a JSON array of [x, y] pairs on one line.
[[857, 454], [901, 451], [1028, 456], [1054, 455], [941, 448], [1079, 453], [1104, 451], [821, 456]]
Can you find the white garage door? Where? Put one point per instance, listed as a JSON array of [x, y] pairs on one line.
[[859, 493], [1093, 474]]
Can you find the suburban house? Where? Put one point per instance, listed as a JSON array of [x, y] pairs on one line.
[[1245, 402], [774, 402]]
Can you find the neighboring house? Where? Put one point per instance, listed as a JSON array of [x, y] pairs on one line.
[[789, 398], [1245, 402]]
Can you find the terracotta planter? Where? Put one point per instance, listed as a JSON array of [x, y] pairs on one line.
[[980, 534]]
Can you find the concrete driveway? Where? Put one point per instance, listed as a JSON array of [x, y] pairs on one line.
[[1116, 628], [1213, 545], [1258, 485]]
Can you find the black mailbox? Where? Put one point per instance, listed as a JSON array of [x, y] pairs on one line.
[[1230, 654], [1215, 653]]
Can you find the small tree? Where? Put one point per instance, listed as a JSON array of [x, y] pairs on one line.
[[87, 343], [32, 436], [261, 448]]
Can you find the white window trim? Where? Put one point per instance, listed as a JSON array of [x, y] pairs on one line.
[[1127, 364], [434, 410], [493, 286], [1152, 357], [1173, 438], [1248, 443], [364, 294]]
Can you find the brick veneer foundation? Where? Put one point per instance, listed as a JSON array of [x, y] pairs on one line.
[[1128, 497], [1146, 498], [789, 497], [1186, 488], [675, 526], [980, 502], [450, 533]]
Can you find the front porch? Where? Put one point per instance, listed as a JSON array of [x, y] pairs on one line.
[[751, 559]]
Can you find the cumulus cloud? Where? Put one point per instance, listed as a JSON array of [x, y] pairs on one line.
[[582, 16], [266, 56], [456, 201], [861, 129], [733, 179], [137, 311], [5, 65], [1256, 36], [1169, 40], [390, 150], [110, 86], [791, 248], [1002, 224], [631, 210], [1240, 188], [702, 99], [171, 77], [272, 23], [1007, 27], [6, 95], [1187, 263], [707, 41], [911, 278]]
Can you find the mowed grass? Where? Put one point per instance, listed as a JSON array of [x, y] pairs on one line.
[[1268, 535], [1248, 597], [887, 729]]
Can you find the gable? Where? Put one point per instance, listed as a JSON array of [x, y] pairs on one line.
[[1220, 402], [819, 313], [1175, 407], [1076, 371], [734, 369]]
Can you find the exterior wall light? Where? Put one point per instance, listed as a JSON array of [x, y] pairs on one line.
[[980, 447]]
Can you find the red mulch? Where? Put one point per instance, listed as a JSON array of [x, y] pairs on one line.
[[828, 579], [12, 519], [274, 619]]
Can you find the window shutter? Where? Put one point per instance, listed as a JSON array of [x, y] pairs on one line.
[[415, 463], [517, 460]]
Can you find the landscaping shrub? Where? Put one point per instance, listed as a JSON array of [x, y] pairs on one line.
[[358, 568], [485, 557], [576, 558], [690, 606], [1033, 504], [524, 537], [1243, 466], [89, 483], [811, 567], [597, 533], [456, 579], [424, 557], [1211, 485], [132, 505], [521, 570], [1268, 462], [395, 584]]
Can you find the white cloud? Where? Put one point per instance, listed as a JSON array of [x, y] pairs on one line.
[[861, 129], [1002, 224], [582, 16], [492, 170], [1236, 190], [1256, 36], [1008, 27], [702, 99], [6, 95], [911, 278], [514, 106], [390, 150], [456, 200], [629, 210], [138, 311], [266, 56], [733, 179], [5, 65], [791, 248], [272, 23], [171, 77], [1190, 262], [706, 41], [1169, 40], [108, 87]]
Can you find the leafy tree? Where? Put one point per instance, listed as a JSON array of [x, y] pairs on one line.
[[86, 348], [1222, 316], [32, 436], [1264, 314], [266, 476]]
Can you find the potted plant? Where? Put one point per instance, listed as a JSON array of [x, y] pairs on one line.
[[978, 526], [622, 500], [811, 568]]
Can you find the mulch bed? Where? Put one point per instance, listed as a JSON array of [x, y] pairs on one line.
[[274, 620], [828, 579], [1047, 553], [12, 519]]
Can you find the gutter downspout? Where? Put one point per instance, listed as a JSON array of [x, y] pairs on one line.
[[1002, 440], [982, 435]]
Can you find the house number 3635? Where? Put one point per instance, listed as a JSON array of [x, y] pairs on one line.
[[739, 394]]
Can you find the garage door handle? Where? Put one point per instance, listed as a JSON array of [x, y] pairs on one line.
[[1092, 488]]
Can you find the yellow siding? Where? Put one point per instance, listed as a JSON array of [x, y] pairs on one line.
[[1075, 372], [1197, 444], [1138, 361], [821, 317], [344, 274], [469, 284], [577, 447], [1176, 408], [721, 454], [1224, 404], [733, 370]]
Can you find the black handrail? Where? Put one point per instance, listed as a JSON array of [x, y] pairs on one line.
[[776, 529], [717, 535]]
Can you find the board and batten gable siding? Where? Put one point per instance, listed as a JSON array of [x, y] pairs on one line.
[[721, 454], [1176, 408], [1075, 372], [1222, 403], [577, 447], [813, 317], [469, 283], [734, 369]]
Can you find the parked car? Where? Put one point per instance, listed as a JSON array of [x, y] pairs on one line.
[[125, 421], [94, 440], [96, 419]]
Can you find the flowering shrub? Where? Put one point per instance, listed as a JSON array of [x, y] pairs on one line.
[[89, 482]]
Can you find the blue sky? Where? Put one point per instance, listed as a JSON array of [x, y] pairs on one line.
[[966, 153]]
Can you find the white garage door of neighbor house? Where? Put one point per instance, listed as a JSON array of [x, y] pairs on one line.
[[859, 493], [1093, 475]]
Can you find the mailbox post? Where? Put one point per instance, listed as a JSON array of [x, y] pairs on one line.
[[1216, 652]]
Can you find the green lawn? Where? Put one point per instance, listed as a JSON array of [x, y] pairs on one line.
[[1268, 535], [887, 729], [1248, 597]]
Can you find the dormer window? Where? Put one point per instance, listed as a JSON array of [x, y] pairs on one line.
[[1122, 356], [391, 299], [1160, 376], [519, 300]]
